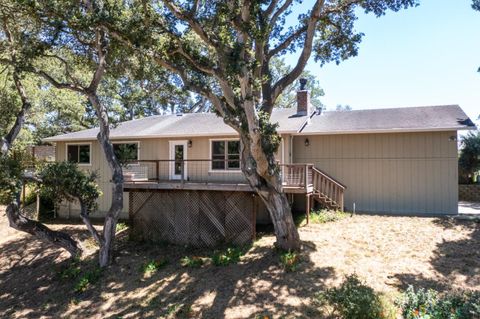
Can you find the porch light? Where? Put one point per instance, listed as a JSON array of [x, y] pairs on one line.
[[189, 143], [452, 138], [307, 142]]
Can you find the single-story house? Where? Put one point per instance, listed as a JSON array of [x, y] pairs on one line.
[[390, 161]]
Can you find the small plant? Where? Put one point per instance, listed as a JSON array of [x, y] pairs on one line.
[[153, 265], [72, 271], [353, 300], [290, 261], [326, 216], [422, 304], [89, 278], [193, 262], [230, 256], [121, 226]]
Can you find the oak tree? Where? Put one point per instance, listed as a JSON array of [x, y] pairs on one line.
[[223, 50]]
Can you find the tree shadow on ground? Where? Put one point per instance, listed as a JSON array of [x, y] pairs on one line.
[[31, 286], [451, 259]]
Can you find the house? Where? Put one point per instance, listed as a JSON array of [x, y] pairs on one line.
[[185, 184]]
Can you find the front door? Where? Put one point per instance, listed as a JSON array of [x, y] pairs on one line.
[[178, 153]]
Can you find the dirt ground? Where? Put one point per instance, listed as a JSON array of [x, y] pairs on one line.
[[388, 253]]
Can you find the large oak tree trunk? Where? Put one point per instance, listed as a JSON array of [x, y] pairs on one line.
[[14, 215], [116, 207], [40, 231], [269, 189]]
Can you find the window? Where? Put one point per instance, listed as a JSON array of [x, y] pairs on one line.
[[78, 153], [225, 155], [126, 152]]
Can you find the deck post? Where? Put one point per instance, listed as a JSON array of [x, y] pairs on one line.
[[182, 165], [306, 178], [307, 205], [157, 170]]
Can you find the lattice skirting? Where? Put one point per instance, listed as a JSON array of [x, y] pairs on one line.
[[195, 218]]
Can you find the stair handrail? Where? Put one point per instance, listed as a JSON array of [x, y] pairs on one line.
[[315, 169]]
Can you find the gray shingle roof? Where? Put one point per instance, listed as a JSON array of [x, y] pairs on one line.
[[423, 118], [426, 118], [193, 124]]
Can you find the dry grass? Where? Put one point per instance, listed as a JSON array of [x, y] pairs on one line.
[[387, 252]]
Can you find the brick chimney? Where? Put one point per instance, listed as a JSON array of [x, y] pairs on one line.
[[303, 99]]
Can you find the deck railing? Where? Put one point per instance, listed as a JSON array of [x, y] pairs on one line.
[[297, 175], [328, 188], [183, 171]]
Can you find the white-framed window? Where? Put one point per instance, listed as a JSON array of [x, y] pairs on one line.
[[225, 155], [80, 153], [129, 151]]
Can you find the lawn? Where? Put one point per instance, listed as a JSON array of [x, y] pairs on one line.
[[148, 281]]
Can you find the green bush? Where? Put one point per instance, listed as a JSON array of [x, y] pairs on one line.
[[229, 256], [353, 300], [193, 262], [325, 216], [153, 265], [289, 260], [428, 304], [121, 226], [87, 279]]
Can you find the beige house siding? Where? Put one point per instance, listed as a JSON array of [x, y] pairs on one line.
[[399, 173], [149, 149]]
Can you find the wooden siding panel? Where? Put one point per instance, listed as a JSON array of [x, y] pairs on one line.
[[400, 173]]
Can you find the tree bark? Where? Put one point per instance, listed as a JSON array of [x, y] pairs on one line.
[[15, 218], [269, 189], [111, 218], [40, 231]]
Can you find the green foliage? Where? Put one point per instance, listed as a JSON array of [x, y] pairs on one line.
[[12, 167], [153, 266], [352, 300], [428, 304], [226, 257], [88, 279], [469, 160], [83, 274], [326, 216], [270, 138], [65, 181], [193, 262], [290, 261], [10, 178], [121, 226], [288, 98]]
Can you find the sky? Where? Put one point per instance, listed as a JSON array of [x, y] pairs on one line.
[[428, 55]]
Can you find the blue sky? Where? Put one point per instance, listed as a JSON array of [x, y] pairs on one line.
[[428, 55]]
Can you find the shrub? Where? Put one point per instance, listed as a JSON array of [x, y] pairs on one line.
[[193, 262], [325, 216], [121, 226], [353, 300], [230, 256], [289, 260], [422, 304], [153, 265], [86, 280]]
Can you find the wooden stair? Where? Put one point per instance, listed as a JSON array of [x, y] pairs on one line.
[[318, 185], [326, 190]]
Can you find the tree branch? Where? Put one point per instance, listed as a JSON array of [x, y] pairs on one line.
[[287, 42], [304, 55], [189, 18]]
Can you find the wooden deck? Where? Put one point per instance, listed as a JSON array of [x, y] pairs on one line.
[[150, 175], [178, 185]]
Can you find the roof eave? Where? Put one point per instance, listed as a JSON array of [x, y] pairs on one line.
[[394, 130]]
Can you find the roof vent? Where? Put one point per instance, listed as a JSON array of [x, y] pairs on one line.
[[179, 114]]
